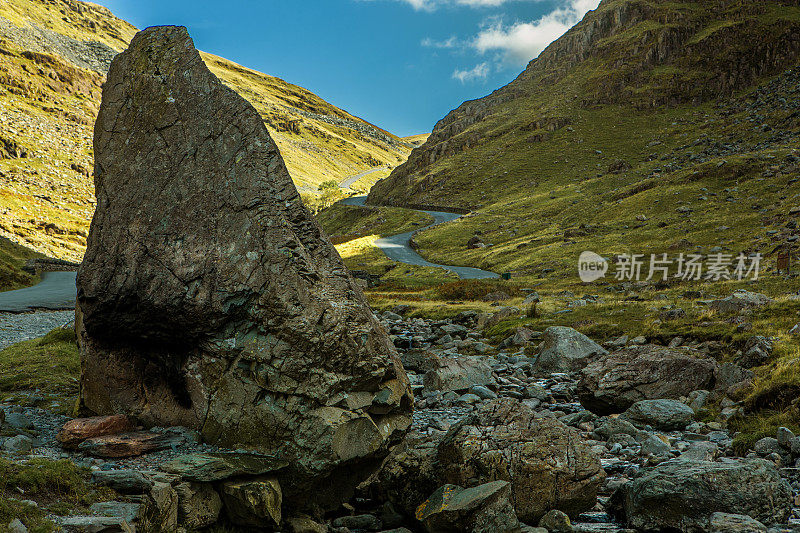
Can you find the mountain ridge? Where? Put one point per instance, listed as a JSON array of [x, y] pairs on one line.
[[53, 59], [644, 53]]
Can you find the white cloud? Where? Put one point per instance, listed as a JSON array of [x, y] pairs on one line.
[[451, 42], [480, 71], [522, 41], [431, 5]]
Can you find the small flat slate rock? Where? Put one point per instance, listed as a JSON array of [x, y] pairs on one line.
[[123, 481], [129, 444], [85, 524], [208, 467], [126, 511], [76, 431]]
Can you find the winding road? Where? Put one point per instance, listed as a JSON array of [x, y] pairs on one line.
[[346, 184], [55, 292], [398, 247]]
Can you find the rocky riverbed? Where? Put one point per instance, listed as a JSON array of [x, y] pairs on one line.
[[517, 438]]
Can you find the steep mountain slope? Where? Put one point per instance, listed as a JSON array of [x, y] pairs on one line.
[[639, 54], [53, 58], [651, 126]]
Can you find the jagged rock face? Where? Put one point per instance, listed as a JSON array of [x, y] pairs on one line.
[[210, 298]]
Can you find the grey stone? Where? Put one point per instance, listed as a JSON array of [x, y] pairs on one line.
[[459, 374], [18, 421], [127, 511], [615, 426], [123, 481], [95, 524], [785, 437], [236, 317], [697, 399], [483, 392], [253, 503], [18, 444], [485, 508], [661, 414], [556, 521], [613, 383], [653, 445], [766, 446], [15, 526], [547, 463], [218, 466], [199, 505], [734, 523], [159, 509], [700, 451], [565, 350], [683, 495], [469, 399]]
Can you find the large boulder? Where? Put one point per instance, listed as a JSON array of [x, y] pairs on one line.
[[565, 350], [684, 495], [546, 462], [407, 476], [666, 415], [460, 373], [210, 298], [613, 383]]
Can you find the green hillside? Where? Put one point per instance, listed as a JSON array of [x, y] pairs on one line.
[[53, 58], [650, 126]]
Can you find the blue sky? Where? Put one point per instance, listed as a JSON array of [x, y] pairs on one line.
[[401, 64]]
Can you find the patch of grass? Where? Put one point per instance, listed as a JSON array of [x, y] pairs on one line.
[[475, 289], [12, 259], [56, 486], [345, 222], [762, 424], [49, 365]]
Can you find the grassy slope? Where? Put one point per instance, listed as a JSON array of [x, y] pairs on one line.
[[47, 108], [49, 365], [539, 172], [12, 258]]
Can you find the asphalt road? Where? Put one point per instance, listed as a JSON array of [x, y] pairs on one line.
[[397, 247], [55, 292], [352, 179]]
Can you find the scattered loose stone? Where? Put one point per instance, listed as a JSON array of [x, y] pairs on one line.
[[255, 503], [486, 508], [78, 430], [129, 444]]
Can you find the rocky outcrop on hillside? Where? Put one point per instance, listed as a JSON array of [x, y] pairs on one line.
[[210, 298], [91, 55]]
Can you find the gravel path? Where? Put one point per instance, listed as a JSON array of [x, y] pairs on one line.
[[16, 327]]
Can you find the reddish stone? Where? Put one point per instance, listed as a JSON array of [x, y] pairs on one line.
[[129, 444], [76, 431]]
